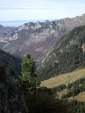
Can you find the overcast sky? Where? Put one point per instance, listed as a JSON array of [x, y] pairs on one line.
[[40, 9]]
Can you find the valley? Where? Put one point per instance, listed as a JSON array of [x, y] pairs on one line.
[[36, 38], [42, 67]]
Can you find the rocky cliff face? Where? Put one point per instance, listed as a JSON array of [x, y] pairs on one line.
[[36, 38]]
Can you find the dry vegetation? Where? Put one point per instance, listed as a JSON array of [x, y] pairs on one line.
[[66, 79], [80, 97]]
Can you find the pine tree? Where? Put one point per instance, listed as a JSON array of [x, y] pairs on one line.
[[28, 77]]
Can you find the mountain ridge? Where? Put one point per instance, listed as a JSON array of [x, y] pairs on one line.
[[36, 38], [67, 55]]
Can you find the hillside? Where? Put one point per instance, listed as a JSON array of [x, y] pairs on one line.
[[70, 85], [11, 63], [17, 96], [64, 78], [67, 55], [36, 38]]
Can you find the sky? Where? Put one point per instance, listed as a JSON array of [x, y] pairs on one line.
[[12, 10]]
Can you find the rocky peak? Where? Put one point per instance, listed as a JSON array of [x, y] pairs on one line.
[[36, 38]]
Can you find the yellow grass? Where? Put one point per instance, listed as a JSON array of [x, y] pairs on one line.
[[62, 93], [80, 97], [64, 79]]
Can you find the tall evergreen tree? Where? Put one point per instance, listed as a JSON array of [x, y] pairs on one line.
[[28, 77]]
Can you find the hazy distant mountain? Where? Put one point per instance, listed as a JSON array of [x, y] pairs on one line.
[[36, 38]]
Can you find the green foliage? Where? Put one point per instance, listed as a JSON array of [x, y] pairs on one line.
[[28, 77], [77, 107], [26, 68], [76, 87]]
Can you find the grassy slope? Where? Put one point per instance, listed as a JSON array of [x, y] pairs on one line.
[[66, 79], [80, 97]]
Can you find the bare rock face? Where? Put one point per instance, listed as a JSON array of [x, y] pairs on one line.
[[36, 38]]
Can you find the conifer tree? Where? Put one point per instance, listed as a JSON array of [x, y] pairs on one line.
[[28, 77]]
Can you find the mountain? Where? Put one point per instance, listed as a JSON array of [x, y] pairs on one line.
[[36, 38], [67, 55], [11, 63]]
